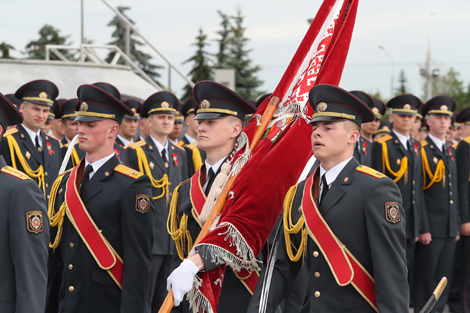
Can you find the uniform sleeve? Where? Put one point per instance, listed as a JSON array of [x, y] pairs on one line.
[[137, 220], [132, 158], [386, 236], [5, 151], [29, 244], [463, 170], [377, 157]]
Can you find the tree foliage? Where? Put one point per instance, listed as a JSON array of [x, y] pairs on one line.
[[402, 88], [5, 49], [48, 35]]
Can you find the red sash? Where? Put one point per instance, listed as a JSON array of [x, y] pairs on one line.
[[101, 250], [345, 267], [198, 198]]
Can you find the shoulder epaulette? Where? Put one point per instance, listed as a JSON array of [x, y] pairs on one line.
[[181, 148], [466, 139], [180, 143], [11, 131], [369, 171], [384, 138], [66, 145], [125, 170], [192, 145], [424, 143], [455, 145], [137, 144], [52, 137], [415, 138], [14, 172]]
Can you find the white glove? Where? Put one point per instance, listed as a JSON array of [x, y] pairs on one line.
[[181, 280]]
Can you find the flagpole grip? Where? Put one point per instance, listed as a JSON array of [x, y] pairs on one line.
[[168, 303], [265, 119]]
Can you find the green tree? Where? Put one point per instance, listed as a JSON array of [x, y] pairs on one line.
[[403, 88], [222, 56], [201, 61], [5, 48], [450, 85], [48, 35], [142, 59], [246, 81]]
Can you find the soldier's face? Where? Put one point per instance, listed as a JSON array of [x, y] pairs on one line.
[[35, 115], [161, 124], [219, 133], [438, 124], [128, 128], [177, 128], [97, 136], [71, 128], [333, 142], [192, 123], [371, 127], [47, 126], [402, 123], [144, 127]]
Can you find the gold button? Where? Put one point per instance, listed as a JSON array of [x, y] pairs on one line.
[[47, 185], [317, 294], [71, 288], [70, 266], [450, 193], [315, 254], [450, 175], [317, 274], [450, 184], [451, 201], [170, 194], [413, 201], [413, 192], [71, 245], [45, 173], [413, 182], [169, 183]]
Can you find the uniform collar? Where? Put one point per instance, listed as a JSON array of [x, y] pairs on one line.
[[437, 142], [403, 139], [125, 142], [33, 135], [331, 175], [190, 139], [97, 164]]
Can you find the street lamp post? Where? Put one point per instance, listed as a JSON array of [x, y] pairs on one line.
[[392, 79]]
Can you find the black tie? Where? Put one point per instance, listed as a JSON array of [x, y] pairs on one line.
[[38, 147], [324, 187], [165, 160], [86, 176], [210, 180], [410, 150], [444, 149]]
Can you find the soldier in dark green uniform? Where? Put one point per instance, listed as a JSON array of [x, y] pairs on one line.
[[24, 233], [26, 147], [166, 166], [344, 222], [440, 221], [102, 217]]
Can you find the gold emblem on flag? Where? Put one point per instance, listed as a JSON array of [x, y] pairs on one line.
[[84, 107], [43, 95], [205, 104], [443, 107], [322, 106], [407, 107], [165, 105]]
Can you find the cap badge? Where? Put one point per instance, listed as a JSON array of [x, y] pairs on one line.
[[43, 95], [322, 106], [375, 110], [165, 105], [84, 107], [407, 107], [443, 107], [386, 128], [134, 110], [205, 104]]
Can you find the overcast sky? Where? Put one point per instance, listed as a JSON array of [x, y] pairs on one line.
[[275, 28]]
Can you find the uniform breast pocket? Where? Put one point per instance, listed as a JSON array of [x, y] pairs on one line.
[[102, 277]]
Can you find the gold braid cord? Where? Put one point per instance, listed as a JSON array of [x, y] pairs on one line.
[[437, 176], [56, 218], [290, 229], [75, 158], [386, 165], [157, 184], [15, 151], [197, 161], [181, 234]]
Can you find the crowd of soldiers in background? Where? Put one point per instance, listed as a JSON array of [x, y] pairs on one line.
[[435, 192]]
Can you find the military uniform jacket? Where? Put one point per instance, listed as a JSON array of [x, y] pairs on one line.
[[195, 157], [463, 178], [441, 217], [112, 200], [355, 210], [176, 172], [50, 151], [363, 151], [410, 184], [24, 243]]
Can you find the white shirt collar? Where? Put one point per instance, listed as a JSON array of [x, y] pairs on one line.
[[175, 142], [97, 164], [331, 175], [403, 139], [125, 142], [214, 167], [437, 142], [160, 147], [33, 135], [190, 139]]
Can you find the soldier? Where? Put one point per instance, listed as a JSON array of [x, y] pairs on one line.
[[67, 115], [24, 233], [165, 164], [129, 126], [177, 128], [363, 150], [104, 217], [195, 156], [353, 216], [398, 156], [144, 126], [26, 147], [218, 133], [53, 113], [384, 129], [440, 221], [58, 131]]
